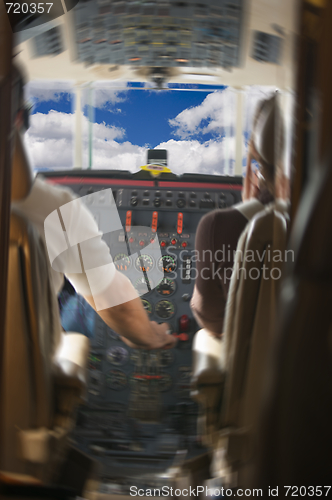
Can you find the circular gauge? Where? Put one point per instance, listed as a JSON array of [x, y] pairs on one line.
[[143, 285], [117, 355], [122, 262], [116, 380], [147, 306], [166, 264], [144, 263], [166, 358], [166, 287], [165, 382], [165, 309]]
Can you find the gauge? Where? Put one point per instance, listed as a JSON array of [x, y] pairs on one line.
[[94, 362], [147, 306], [165, 309], [166, 287], [166, 358], [144, 263], [117, 355], [116, 380], [143, 285], [122, 262], [166, 264], [165, 382]]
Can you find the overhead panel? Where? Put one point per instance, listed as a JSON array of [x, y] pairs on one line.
[[166, 34]]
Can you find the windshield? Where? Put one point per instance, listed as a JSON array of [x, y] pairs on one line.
[[196, 124]]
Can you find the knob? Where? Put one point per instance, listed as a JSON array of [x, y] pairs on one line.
[[181, 203], [134, 201], [174, 241]]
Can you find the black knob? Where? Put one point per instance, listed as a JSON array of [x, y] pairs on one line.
[[134, 201], [181, 203], [157, 202]]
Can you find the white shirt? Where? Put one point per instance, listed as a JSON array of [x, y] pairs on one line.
[[73, 241]]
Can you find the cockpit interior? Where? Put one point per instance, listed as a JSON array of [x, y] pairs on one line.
[[143, 110]]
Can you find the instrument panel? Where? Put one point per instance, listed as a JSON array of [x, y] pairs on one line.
[[147, 393]]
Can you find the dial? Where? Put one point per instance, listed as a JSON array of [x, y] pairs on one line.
[[147, 306], [166, 264], [164, 309], [94, 362], [117, 355], [143, 285], [144, 263], [122, 262], [116, 380], [165, 382], [166, 287]]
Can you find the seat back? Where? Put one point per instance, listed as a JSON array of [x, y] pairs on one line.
[[249, 321], [32, 328], [29, 337], [295, 438]]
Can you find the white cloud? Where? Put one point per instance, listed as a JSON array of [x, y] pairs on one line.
[[213, 115], [107, 98], [191, 156], [44, 90], [50, 143]]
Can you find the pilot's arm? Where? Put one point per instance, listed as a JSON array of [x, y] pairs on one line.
[[216, 241], [123, 310], [130, 319]]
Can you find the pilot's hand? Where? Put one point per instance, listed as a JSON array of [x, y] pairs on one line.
[[162, 338], [164, 334]]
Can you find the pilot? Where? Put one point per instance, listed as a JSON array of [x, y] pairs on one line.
[[128, 317], [219, 231]]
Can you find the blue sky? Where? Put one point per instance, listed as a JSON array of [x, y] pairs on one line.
[[145, 114], [197, 127]]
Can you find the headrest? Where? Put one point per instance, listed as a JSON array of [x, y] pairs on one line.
[[21, 173], [267, 130]]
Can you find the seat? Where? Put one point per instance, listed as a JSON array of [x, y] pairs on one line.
[[295, 438], [249, 326], [43, 376], [238, 374]]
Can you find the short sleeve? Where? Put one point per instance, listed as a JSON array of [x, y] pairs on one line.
[[209, 300]]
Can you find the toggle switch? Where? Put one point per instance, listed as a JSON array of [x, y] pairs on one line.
[[184, 323]]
